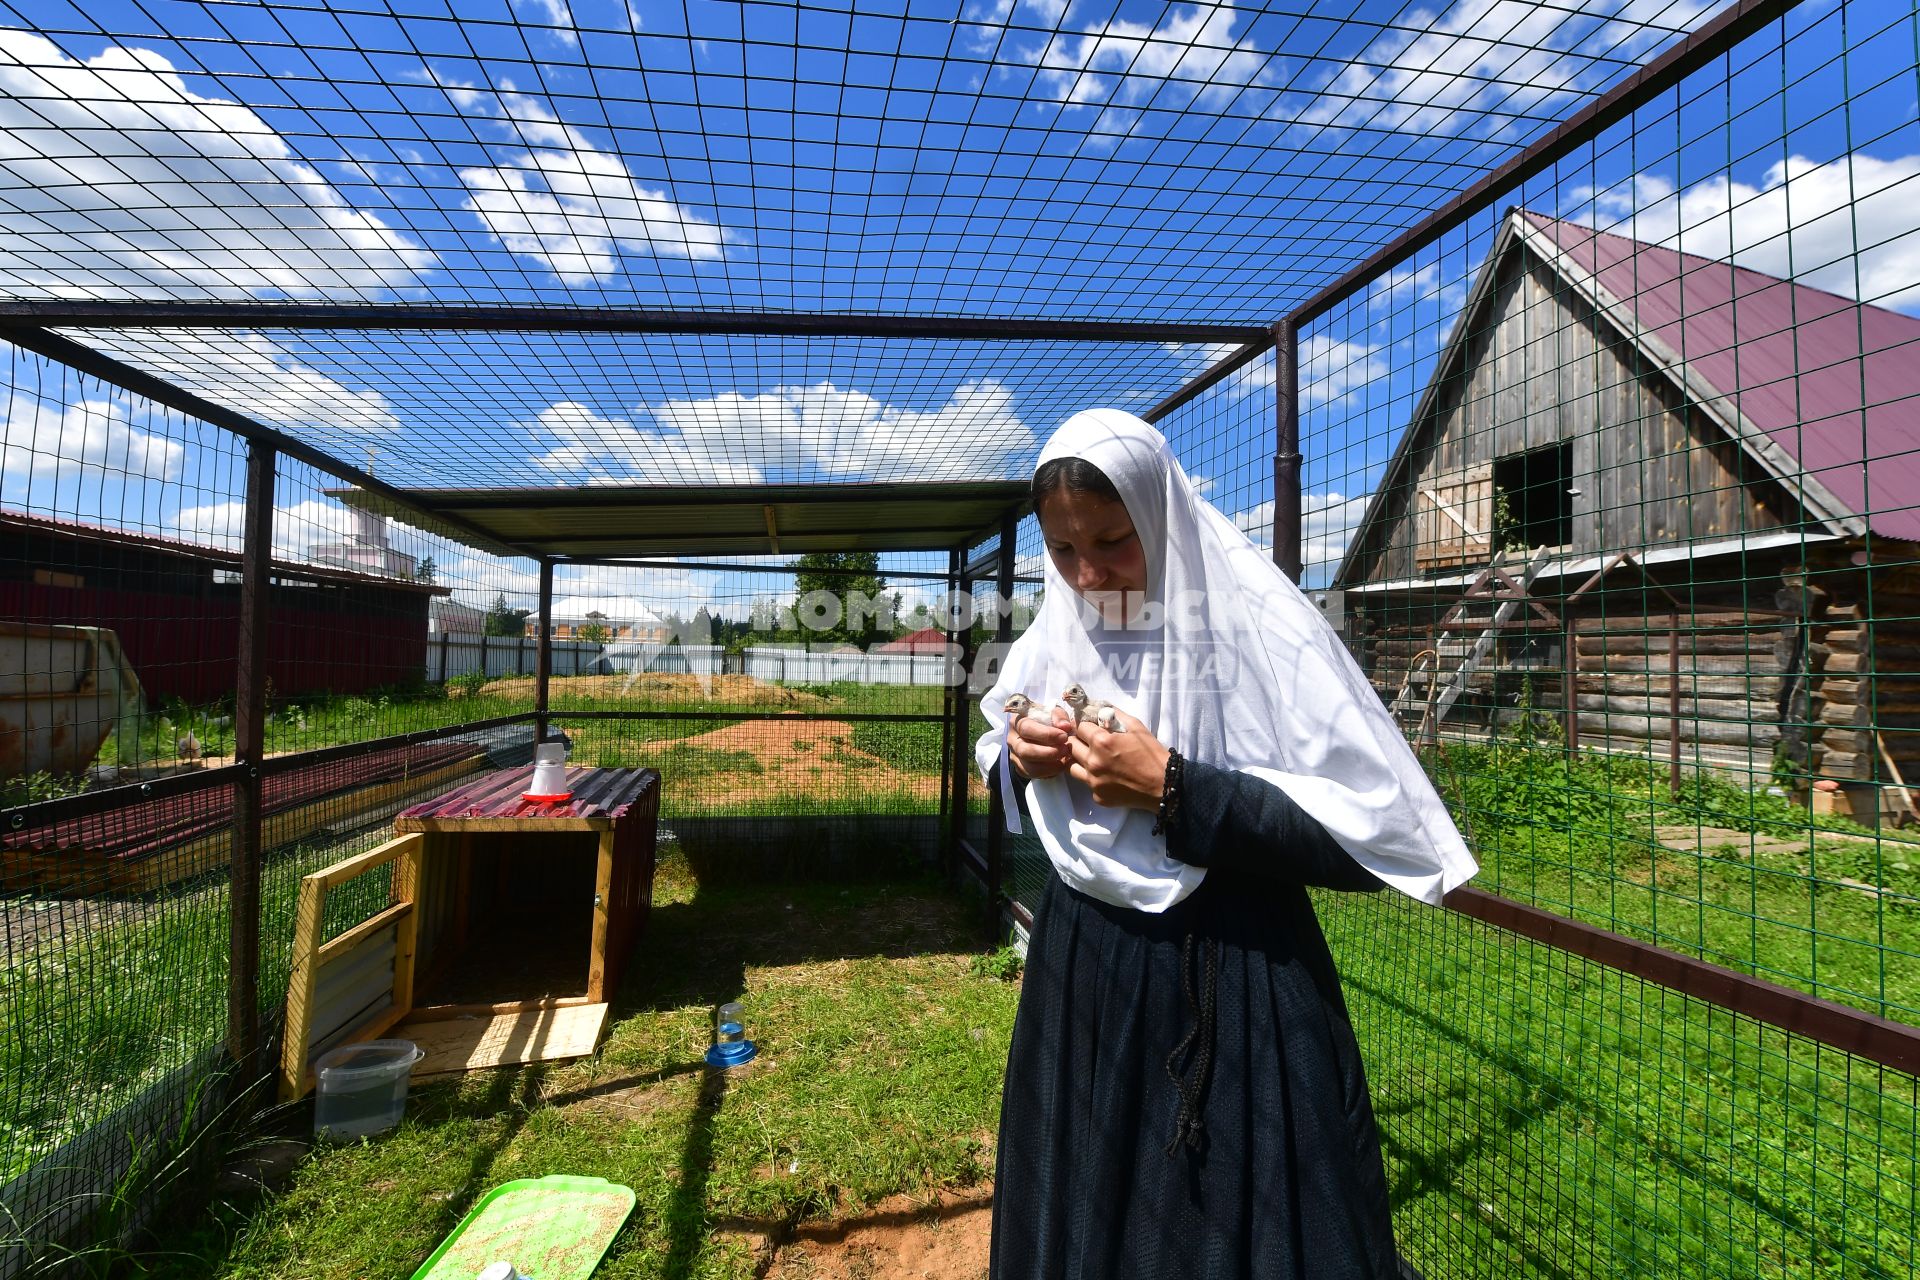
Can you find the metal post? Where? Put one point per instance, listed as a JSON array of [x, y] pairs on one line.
[[1286, 449], [543, 655], [249, 734], [445, 637], [1673, 702], [949, 747], [1003, 635]]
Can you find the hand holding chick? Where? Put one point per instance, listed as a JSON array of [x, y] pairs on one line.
[[1038, 744]]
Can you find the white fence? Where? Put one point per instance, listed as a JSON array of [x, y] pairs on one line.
[[451, 655], [803, 666]]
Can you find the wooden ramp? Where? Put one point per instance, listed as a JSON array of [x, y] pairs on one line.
[[545, 1032]]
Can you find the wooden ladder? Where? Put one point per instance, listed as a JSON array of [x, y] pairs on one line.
[[1505, 605]]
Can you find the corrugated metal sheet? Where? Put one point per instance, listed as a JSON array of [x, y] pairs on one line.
[[689, 520], [1834, 383]]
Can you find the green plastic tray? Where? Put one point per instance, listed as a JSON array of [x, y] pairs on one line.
[[552, 1228]]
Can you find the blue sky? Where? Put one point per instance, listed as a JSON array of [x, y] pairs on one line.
[[1140, 160]]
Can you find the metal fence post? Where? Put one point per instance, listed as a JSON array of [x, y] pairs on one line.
[[1286, 449], [1003, 636], [543, 654], [249, 734], [949, 744]]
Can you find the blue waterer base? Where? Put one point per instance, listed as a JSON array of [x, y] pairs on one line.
[[731, 1055]]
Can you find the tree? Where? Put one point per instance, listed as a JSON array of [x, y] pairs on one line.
[[505, 621], [842, 574], [424, 571], [593, 633]]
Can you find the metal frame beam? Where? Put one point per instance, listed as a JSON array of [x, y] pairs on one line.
[[160, 391], [1728, 28], [60, 313]]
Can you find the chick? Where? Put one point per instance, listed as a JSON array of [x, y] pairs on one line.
[[188, 747], [1016, 706], [1102, 713]]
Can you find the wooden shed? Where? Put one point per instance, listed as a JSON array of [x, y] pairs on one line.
[[175, 606], [1750, 446]]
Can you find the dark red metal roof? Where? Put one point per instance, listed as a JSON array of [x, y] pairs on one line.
[[1833, 382], [591, 793], [145, 828], [925, 640], [81, 531]]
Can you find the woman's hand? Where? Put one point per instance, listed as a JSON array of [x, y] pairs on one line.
[[1039, 746], [1123, 770]]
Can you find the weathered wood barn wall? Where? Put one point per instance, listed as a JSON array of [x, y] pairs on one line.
[[1737, 436]]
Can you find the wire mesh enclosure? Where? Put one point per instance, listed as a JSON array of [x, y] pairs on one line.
[[389, 390]]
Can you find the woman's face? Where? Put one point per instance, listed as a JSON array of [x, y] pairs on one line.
[[1095, 548]]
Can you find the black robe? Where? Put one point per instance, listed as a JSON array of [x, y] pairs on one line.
[[1282, 1176]]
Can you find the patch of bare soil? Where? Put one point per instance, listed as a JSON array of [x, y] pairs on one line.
[[805, 757], [945, 1238]]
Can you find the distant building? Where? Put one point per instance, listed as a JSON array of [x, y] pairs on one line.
[[623, 618], [449, 617], [175, 606], [366, 551], [926, 640], [1749, 441]]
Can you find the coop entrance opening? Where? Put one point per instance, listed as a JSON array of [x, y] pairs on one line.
[[1533, 497]]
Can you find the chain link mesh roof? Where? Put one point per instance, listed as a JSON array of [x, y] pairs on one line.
[[1141, 162]]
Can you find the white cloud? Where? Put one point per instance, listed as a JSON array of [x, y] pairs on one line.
[[1436, 73], [48, 443], [558, 17], [844, 432], [295, 528], [1850, 226], [1192, 57], [1327, 524], [255, 375], [117, 181], [1332, 368], [590, 448], [567, 204]]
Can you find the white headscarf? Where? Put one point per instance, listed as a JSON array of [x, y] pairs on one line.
[[1238, 670]]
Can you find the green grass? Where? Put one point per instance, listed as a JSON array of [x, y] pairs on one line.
[[309, 722], [1546, 1117], [1584, 839], [129, 990], [881, 1055]]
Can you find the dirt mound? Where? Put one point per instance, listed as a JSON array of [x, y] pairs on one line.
[[664, 688], [800, 757], [946, 1238]]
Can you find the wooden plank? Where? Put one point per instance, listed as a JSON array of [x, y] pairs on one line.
[[602, 904], [447, 1012], [341, 872], [339, 946], [536, 1035], [299, 1024], [406, 885]]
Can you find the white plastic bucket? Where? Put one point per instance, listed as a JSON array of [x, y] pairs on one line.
[[362, 1088]]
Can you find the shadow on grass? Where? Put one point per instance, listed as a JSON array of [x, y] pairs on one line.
[[699, 952], [1545, 1094]]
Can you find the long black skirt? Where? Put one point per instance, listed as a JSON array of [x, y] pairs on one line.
[[1283, 1177]]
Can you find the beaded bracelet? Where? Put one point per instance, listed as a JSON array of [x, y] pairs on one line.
[[1169, 793]]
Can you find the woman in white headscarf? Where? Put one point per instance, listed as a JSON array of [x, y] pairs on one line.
[[1184, 1094]]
